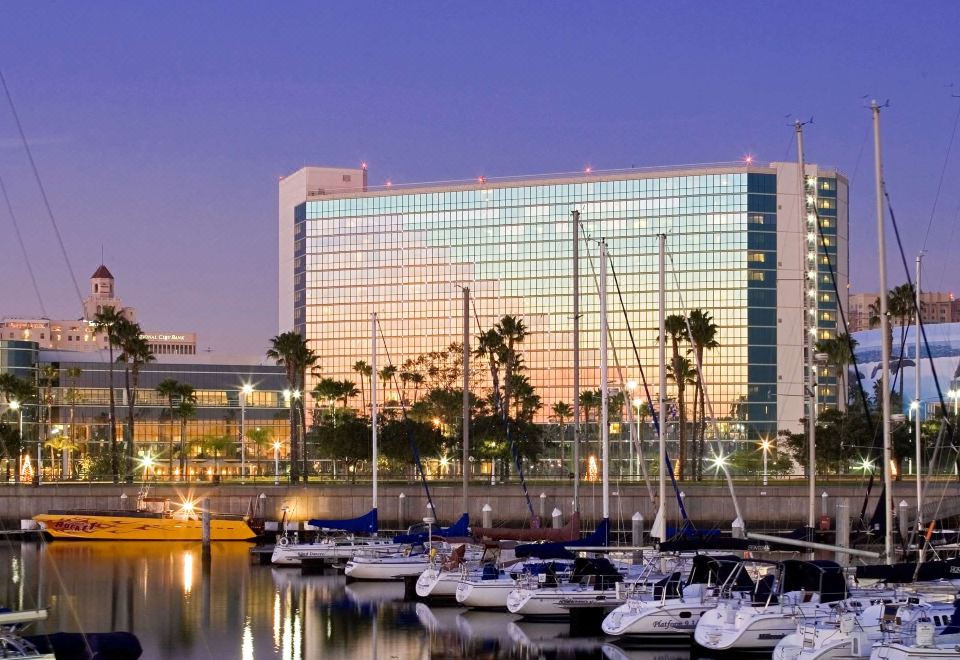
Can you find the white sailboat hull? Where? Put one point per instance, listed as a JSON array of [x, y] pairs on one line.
[[557, 602], [751, 628], [385, 568], [485, 594], [669, 619], [293, 554], [437, 584]]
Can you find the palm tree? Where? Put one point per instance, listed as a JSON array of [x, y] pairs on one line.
[[561, 413], [386, 374], [169, 388], [703, 335], [903, 306], [676, 327], [363, 369], [217, 445], [107, 322], [347, 389], [589, 401], [47, 380], [490, 346], [62, 443], [186, 409], [512, 331], [73, 397], [290, 350], [260, 437], [14, 388], [839, 353], [643, 411], [134, 353], [682, 373]]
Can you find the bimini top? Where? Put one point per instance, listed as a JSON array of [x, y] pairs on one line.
[[707, 569], [908, 572], [825, 577], [365, 524]]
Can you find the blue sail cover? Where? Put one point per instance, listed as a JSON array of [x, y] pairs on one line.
[[457, 529], [600, 537], [365, 524]]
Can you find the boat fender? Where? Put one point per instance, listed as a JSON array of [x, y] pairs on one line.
[[925, 631], [848, 621], [284, 541]]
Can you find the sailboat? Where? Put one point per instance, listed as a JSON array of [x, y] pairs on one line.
[[674, 618], [288, 553], [593, 581]]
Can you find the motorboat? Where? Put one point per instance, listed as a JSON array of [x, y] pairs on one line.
[[675, 618], [154, 519], [853, 630]]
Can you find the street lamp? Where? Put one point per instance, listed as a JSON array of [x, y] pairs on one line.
[[276, 463], [245, 391], [16, 405], [765, 445]]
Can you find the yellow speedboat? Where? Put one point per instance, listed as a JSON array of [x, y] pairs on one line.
[[153, 520]]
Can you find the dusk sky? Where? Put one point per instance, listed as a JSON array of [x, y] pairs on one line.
[[160, 129]]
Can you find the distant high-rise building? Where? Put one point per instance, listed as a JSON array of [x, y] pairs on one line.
[[78, 334], [741, 239], [935, 307]]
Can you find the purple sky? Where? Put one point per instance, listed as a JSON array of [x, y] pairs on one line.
[[160, 129]]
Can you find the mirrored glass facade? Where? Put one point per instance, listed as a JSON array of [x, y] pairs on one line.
[[405, 254]]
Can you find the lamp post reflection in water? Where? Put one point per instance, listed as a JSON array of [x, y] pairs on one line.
[[187, 573]]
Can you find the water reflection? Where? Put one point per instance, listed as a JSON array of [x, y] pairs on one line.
[[183, 606]]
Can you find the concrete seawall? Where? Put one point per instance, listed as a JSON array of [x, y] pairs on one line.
[[774, 507]]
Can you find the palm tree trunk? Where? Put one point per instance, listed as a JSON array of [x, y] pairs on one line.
[[703, 433], [682, 437], [183, 448], [170, 444], [128, 432], [114, 457], [696, 453]]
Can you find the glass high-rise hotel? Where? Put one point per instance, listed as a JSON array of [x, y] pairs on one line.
[[740, 245]]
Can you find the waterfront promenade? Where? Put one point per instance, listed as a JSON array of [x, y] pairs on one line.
[[780, 506]]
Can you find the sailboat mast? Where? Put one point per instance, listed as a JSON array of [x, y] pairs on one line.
[[465, 468], [810, 336], [884, 342], [661, 518], [575, 218], [373, 401], [916, 397], [604, 388]]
